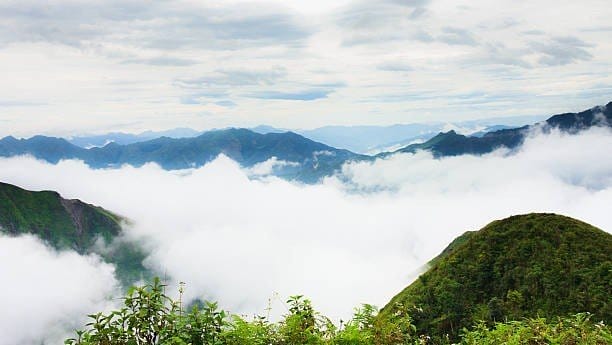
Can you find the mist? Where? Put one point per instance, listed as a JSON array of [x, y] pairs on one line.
[[46, 294], [358, 237]]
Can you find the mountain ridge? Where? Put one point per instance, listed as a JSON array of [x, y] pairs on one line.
[[310, 160], [70, 224], [534, 264], [242, 145], [453, 144]]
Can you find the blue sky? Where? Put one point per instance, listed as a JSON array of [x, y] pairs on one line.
[[132, 65]]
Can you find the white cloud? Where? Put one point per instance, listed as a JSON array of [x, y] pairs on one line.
[[238, 240], [269, 167], [126, 65], [46, 294]]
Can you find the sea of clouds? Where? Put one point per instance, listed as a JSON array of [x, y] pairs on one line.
[[359, 237]]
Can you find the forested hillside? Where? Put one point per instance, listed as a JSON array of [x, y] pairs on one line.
[[531, 265], [69, 225]]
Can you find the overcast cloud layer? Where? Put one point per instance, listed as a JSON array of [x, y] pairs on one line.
[[132, 65], [239, 241]]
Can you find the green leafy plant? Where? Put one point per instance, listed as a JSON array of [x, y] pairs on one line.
[[150, 317]]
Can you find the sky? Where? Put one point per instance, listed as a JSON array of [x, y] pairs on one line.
[[360, 236], [92, 66]]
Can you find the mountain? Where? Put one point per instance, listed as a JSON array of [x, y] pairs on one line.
[[309, 160], [265, 129], [89, 141], [453, 144], [489, 129], [298, 158], [365, 138], [534, 264], [360, 139], [375, 139], [68, 224]]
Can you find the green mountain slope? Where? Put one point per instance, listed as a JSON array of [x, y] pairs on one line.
[[68, 224], [535, 264]]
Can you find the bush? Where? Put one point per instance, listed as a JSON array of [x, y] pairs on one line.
[[149, 317]]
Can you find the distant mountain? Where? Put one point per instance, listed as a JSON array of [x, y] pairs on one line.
[[375, 139], [452, 144], [68, 224], [365, 138], [490, 129], [264, 129], [298, 157], [309, 160], [127, 138], [536, 264], [360, 139]]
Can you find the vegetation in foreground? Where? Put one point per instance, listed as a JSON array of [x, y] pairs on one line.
[[150, 317]]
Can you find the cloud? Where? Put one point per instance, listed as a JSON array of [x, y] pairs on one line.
[[305, 95], [238, 77], [365, 14], [226, 103], [164, 25], [499, 53], [395, 66], [94, 57], [562, 51], [380, 22], [46, 294], [456, 36], [7, 104], [162, 61], [358, 237], [533, 32], [269, 167]]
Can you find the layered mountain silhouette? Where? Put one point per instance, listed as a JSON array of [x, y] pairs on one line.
[[311, 160], [454, 144], [300, 158]]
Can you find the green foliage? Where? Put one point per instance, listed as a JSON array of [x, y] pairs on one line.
[[150, 317], [44, 214], [576, 330], [536, 264], [70, 224]]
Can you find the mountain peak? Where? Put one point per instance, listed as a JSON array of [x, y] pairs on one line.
[[538, 263]]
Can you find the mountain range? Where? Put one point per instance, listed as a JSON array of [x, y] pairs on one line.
[[309, 160], [452, 144], [359, 139], [299, 158]]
